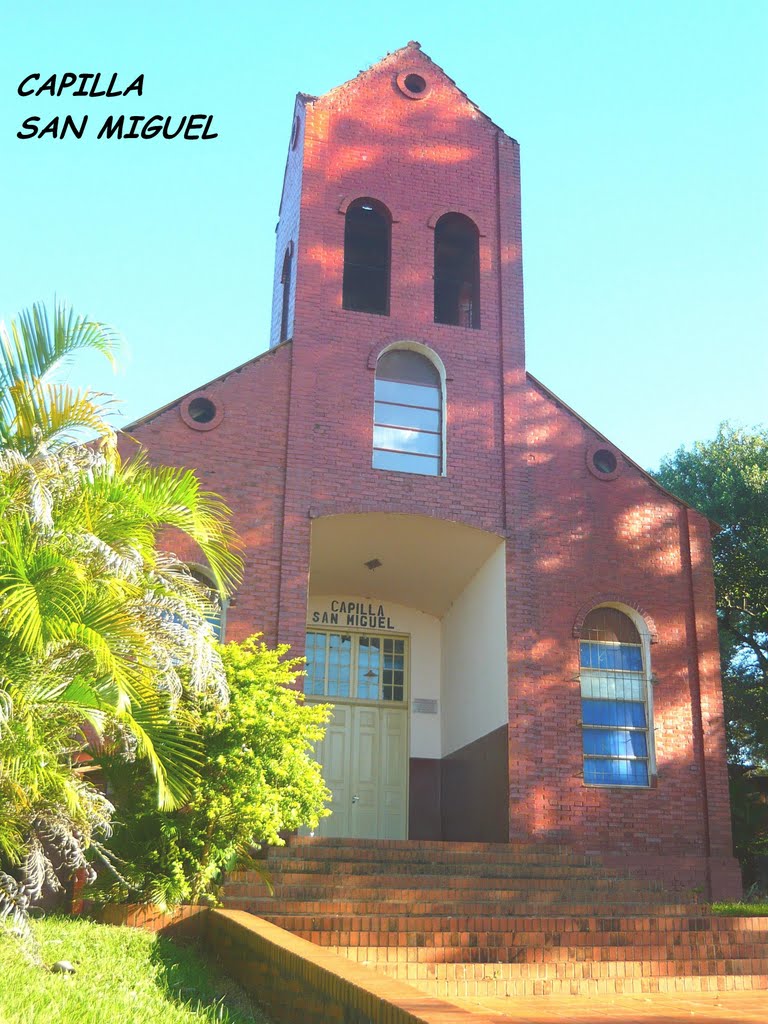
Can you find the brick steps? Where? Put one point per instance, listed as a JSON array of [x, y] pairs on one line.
[[654, 962], [489, 919], [500, 971], [446, 940], [384, 849], [332, 855], [506, 980], [266, 906], [543, 896], [467, 872], [501, 875], [553, 931], [376, 883], [441, 949]]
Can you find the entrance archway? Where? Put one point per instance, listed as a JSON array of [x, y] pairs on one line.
[[406, 636]]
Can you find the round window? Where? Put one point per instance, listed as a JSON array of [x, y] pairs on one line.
[[201, 410], [201, 413], [413, 85], [604, 461]]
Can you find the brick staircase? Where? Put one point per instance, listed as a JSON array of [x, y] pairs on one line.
[[478, 919]]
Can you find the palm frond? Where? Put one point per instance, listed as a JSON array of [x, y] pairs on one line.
[[173, 753], [33, 411], [34, 344], [43, 412], [6, 706]]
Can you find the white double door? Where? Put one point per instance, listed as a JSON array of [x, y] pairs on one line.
[[364, 756]]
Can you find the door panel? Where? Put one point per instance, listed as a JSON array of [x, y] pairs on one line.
[[365, 765], [333, 755], [364, 773], [393, 731]]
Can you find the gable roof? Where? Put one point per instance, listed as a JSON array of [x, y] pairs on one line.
[[413, 51], [716, 527], [148, 417]]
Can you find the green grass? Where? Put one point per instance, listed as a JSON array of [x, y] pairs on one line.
[[123, 976], [740, 909]]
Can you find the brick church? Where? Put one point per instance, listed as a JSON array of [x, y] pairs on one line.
[[515, 623]]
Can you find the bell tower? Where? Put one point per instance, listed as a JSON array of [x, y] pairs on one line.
[[400, 218]]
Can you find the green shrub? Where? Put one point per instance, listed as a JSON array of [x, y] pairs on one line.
[[258, 779]]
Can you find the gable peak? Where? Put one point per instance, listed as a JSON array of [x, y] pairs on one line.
[[403, 62]]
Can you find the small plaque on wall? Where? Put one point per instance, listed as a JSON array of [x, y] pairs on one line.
[[424, 706]]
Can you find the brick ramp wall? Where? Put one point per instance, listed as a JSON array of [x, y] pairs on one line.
[[297, 982]]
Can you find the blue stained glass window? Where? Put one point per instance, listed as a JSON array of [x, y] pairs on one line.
[[614, 707], [615, 772], [618, 657], [615, 743], [617, 713]]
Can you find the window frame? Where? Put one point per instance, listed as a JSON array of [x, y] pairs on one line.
[[441, 433], [646, 679], [356, 635]]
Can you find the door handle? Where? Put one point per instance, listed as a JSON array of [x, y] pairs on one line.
[[355, 799]]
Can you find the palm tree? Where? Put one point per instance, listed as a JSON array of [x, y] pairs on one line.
[[99, 626], [36, 410]]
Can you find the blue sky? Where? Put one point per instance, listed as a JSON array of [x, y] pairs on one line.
[[645, 207]]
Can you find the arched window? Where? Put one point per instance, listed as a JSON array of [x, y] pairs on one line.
[[457, 271], [216, 616], [285, 281], [367, 229], [615, 705], [407, 420]]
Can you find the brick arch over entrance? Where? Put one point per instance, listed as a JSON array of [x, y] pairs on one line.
[[358, 506], [614, 598]]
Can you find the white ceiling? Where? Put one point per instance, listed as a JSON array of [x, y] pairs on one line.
[[426, 563]]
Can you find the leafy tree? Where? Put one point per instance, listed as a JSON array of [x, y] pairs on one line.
[[257, 779], [100, 628], [727, 479]]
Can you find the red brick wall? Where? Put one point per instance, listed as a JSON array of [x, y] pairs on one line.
[[586, 540], [243, 459]]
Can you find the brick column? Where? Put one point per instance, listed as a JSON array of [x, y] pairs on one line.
[[725, 874]]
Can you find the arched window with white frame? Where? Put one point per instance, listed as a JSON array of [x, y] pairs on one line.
[[616, 700], [408, 414]]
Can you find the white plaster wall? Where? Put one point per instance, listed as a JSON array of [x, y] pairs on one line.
[[474, 657], [424, 675]]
